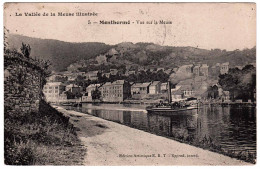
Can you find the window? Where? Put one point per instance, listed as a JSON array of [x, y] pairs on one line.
[[50, 87], [56, 87]]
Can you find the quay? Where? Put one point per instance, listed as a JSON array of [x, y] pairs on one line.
[[110, 143]]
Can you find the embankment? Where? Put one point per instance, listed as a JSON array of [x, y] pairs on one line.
[[109, 143], [34, 132]]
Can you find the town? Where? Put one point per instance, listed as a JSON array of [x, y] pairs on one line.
[[126, 85]]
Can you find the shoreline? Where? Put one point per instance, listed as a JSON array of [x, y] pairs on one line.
[[110, 143]]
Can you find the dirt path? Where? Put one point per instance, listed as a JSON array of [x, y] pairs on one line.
[[109, 143]]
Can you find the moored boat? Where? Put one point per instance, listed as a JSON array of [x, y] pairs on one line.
[[188, 104], [169, 108]]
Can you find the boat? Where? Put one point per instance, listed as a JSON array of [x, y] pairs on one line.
[[159, 108], [188, 104]]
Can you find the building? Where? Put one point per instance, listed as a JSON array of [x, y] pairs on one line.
[[92, 75], [130, 72], [113, 72], [72, 77], [140, 89], [117, 91], [204, 70], [73, 88], [107, 75], [188, 68], [177, 95], [63, 97], [52, 91], [155, 87], [225, 97], [196, 70], [224, 67], [187, 91], [89, 91], [164, 87]]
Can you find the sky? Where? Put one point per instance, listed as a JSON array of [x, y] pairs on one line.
[[227, 26]]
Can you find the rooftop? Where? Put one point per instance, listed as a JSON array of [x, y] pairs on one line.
[[72, 85], [54, 83], [141, 85], [155, 83], [93, 85]]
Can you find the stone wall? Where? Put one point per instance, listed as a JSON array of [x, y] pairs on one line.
[[23, 82]]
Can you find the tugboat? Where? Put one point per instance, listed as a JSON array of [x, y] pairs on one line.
[[188, 104]]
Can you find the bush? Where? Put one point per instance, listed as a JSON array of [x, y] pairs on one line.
[[40, 138]]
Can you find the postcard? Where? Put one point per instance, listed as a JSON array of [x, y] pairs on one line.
[[127, 84]]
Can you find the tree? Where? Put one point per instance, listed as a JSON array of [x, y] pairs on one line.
[[26, 50], [240, 83], [96, 94]]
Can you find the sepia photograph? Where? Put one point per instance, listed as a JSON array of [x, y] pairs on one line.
[[129, 84]]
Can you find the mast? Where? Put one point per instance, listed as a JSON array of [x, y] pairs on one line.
[[169, 92]]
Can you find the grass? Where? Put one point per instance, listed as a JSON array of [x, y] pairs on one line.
[[43, 138], [208, 144]]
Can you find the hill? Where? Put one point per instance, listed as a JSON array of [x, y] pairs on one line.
[[62, 54]]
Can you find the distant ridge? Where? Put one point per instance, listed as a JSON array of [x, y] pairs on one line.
[[62, 54]]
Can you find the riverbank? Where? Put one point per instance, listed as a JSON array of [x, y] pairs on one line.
[[41, 138], [109, 143]]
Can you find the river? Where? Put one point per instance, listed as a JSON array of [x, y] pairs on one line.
[[232, 128]]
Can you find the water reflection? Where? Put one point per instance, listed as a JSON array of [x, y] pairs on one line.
[[232, 128]]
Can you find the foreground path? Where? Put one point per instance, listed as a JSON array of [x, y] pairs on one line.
[[109, 143]]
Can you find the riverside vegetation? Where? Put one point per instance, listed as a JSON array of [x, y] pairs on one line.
[[208, 143], [43, 138], [34, 132]]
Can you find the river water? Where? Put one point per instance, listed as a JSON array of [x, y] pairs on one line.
[[233, 128]]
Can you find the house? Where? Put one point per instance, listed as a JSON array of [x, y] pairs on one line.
[[106, 75], [196, 70], [63, 97], [112, 52], [155, 87], [113, 72], [130, 72], [224, 67], [141, 68], [73, 88], [204, 70], [52, 91], [225, 96], [187, 91], [164, 87], [177, 95], [71, 77], [117, 91], [89, 91], [140, 89], [92, 75]]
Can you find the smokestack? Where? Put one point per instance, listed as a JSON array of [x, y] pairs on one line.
[[169, 92]]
